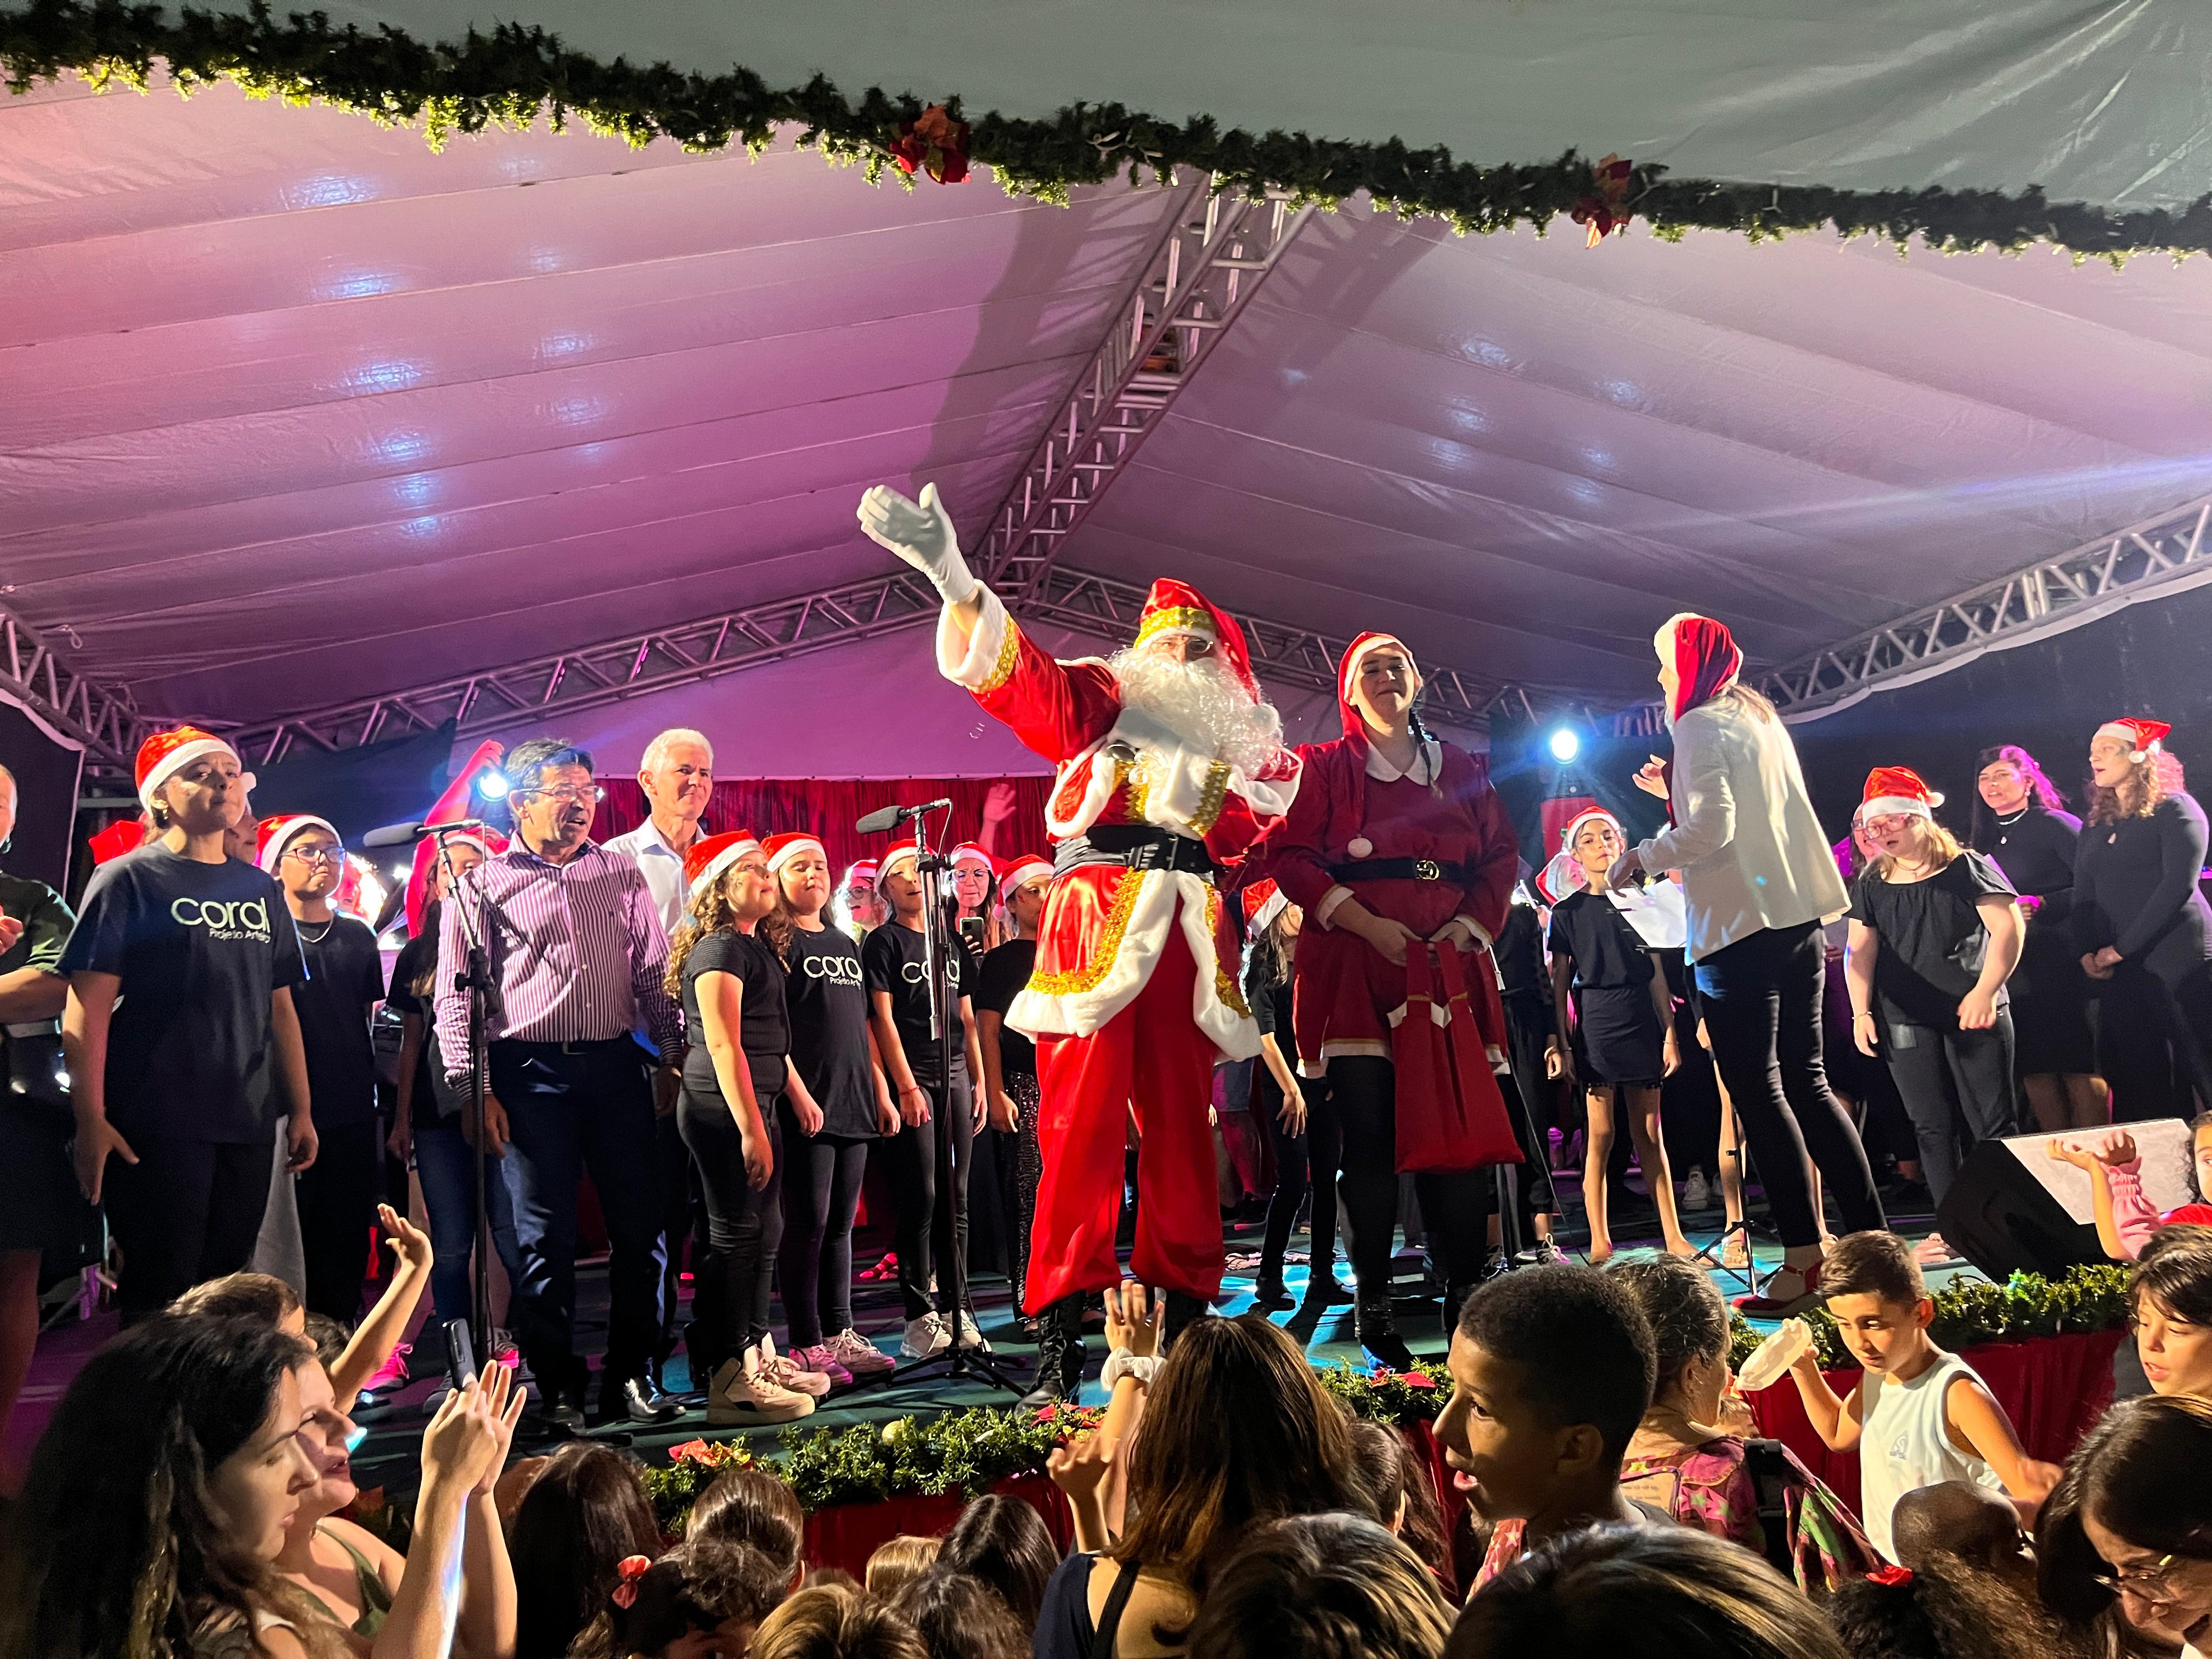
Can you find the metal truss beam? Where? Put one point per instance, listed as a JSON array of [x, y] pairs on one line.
[[101, 718], [1201, 277]]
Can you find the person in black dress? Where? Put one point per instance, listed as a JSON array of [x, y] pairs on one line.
[[1619, 1027], [1525, 989], [1933, 936], [834, 1054], [2142, 927], [2021, 823], [1010, 1083]]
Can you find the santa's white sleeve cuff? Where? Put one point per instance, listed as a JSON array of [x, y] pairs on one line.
[[994, 645], [1329, 900], [1475, 931]]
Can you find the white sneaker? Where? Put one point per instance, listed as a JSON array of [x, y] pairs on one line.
[[1696, 1193], [742, 1397], [925, 1338], [786, 1373], [858, 1355], [971, 1338]]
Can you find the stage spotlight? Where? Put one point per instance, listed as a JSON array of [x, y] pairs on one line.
[[1566, 745], [491, 784]]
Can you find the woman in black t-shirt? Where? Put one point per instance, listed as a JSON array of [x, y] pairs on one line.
[[1010, 1084], [834, 1052], [932, 1101], [737, 1072], [1935, 934]]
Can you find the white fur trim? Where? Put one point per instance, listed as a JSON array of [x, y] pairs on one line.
[[298, 824], [891, 860], [722, 862], [1882, 806], [176, 760], [1329, 900], [791, 850], [1023, 872], [2128, 735], [975, 667], [1350, 670]]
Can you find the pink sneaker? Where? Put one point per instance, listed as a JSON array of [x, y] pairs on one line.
[[822, 1359], [785, 1373], [858, 1355], [389, 1377]]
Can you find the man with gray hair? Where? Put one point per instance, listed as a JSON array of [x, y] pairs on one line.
[[678, 776]]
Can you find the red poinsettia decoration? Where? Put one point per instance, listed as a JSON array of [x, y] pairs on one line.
[[935, 143], [1605, 210]]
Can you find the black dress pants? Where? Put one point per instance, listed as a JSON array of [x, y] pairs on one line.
[[337, 1198], [1455, 1206], [186, 1211]]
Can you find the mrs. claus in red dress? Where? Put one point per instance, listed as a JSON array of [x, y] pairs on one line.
[[1400, 856], [1168, 764]]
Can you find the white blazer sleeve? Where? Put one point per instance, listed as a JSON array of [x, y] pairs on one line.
[[1705, 818]]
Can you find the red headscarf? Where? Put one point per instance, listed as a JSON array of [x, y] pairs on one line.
[[1704, 657]]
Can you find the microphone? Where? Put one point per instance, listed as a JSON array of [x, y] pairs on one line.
[[890, 818], [405, 835]]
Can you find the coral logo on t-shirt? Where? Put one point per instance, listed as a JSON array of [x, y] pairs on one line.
[[225, 918], [911, 973], [838, 970]]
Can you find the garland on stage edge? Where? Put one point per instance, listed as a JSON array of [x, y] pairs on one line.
[[2085, 1298], [512, 74]]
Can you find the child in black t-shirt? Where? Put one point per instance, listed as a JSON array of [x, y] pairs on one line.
[[1010, 1084], [1935, 934], [933, 1100], [184, 1046], [337, 1198]]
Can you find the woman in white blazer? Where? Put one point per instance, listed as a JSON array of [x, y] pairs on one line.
[[1758, 880]]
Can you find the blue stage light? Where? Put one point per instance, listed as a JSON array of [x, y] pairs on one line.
[[491, 784], [1566, 744]]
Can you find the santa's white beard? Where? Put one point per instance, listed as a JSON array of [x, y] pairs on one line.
[[1201, 702]]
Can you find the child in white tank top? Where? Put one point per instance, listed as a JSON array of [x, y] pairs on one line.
[[1920, 1415]]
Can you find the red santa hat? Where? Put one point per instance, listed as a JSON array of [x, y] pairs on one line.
[[973, 853], [1018, 872], [1588, 815], [1561, 876], [899, 857], [268, 849], [2143, 738], [1347, 674], [1897, 791], [165, 754], [1263, 901], [704, 863], [123, 836], [1704, 657], [862, 874], [1174, 607], [489, 843], [782, 849]]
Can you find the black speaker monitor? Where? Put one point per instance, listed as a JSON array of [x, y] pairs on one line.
[[2014, 1208]]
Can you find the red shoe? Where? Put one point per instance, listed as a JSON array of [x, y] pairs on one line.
[[1788, 1291]]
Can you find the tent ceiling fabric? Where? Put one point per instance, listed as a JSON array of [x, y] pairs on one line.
[[2093, 101], [294, 410]]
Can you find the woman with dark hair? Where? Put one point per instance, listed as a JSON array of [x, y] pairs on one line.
[[2020, 821], [705, 1598], [959, 1617], [752, 1507], [1403, 1494], [1004, 1543], [1337, 1585], [585, 1511], [2142, 926], [157, 1500], [2127, 1531], [1238, 1430]]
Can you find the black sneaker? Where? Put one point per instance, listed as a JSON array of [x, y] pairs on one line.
[[1270, 1297], [638, 1398]]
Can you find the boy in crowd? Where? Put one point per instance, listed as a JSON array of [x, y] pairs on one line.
[[1919, 1415], [1552, 1370]]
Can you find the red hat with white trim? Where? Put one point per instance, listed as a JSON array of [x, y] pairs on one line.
[[782, 849], [862, 874], [165, 754], [1895, 790], [704, 863], [1589, 814], [1263, 901], [2143, 738], [897, 857], [1347, 674], [278, 831], [1016, 873], [1704, 657], [1174, 607], [975, 852]]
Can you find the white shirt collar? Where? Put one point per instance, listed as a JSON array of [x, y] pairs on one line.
[[1427, 761], [646, 838]]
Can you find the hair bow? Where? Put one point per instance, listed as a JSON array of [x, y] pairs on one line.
[[629, 1569], [1890, 1577]]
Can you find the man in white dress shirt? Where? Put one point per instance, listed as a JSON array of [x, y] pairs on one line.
[[678, 776]]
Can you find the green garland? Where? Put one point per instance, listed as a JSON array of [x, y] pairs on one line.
[[512, 75], [2087, 1298]]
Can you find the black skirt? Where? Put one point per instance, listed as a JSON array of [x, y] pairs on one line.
[[1619, 1042]]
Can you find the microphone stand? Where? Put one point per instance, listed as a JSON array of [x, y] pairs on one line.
[[961, 1359]]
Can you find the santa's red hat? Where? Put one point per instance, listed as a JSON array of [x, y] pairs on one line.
[[1561, 876], [862, 874], [1018, 872], [1704, 657], [1263, 901], [123, 836], [975, 852], [898, 858], [782, 849], [268, 849], [704, 863], [1174, 607], [2143, 738], [1897, 791], [1347, 674], [165, 754]]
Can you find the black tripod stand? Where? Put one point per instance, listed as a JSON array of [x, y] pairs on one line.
[[961, 1358]]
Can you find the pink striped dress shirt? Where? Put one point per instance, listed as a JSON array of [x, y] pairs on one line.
[[577, 955]]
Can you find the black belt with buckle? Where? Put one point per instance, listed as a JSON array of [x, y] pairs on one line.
[[1400, 870], [1134, 847]]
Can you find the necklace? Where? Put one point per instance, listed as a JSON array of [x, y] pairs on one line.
[[301, 928], [2014, 818]]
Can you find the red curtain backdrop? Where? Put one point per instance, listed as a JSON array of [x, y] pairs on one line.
[[829, 807]]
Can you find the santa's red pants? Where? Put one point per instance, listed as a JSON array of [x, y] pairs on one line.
[[1152, 1056]]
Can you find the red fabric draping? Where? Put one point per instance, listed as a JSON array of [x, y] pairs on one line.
[[849, 1534], [2053, 1388], [829, 807]]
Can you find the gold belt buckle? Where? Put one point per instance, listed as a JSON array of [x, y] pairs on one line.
[[1427, 870]]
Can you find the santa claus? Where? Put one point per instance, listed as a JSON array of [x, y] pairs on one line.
[[1170, 762]]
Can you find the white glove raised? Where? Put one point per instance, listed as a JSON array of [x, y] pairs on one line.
[[920, 532]]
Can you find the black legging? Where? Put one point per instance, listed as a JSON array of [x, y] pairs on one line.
[[1362, 1089], [1021, 1166], [815, 1266], [730, 1288], [1761, 999], [1949, 1076], [1303, 1163], [923, 1225]]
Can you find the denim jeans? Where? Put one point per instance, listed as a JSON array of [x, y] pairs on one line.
[[445, 1164]]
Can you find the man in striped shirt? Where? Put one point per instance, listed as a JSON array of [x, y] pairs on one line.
[[576, 954]]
